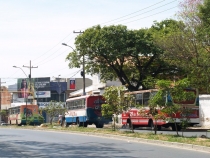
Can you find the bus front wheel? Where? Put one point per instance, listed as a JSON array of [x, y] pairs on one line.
[[99, 125]]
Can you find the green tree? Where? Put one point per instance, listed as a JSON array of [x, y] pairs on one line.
[[116, 52], [169, 109], [115, 102], [185, 43], [3, 113], [158, 101], [204, 16], [54, 109]]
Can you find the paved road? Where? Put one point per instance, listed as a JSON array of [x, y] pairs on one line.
[[31, 143]]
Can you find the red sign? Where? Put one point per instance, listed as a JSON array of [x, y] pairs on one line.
[[72, 84]]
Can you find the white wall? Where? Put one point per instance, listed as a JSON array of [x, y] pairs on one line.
[[204, 110], [97, 85]]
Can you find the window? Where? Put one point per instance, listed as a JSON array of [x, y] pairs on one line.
[[76, 104], [146, 97], [139, 98]]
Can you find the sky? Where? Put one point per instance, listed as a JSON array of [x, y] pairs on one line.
[[34, 30]]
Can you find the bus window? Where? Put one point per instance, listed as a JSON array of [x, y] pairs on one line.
[[72, 105], [79, 104], [67, 105], [146, 97], [84, 103], [76, 106], [139, 98]]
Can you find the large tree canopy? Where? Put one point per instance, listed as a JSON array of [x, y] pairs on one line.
[[116, 52], [185, 42]]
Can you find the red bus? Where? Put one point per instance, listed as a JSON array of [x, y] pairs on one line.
[[135, 117], [84, 111], [25, 114]]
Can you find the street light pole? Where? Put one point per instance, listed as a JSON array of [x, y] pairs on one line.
[[83, 64], [59, 88], [83, 67], [83, 73], [26, 97]]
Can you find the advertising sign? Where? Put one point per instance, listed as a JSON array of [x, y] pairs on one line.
[[23, 85], [42, 87], [38, 87], [72, 84]]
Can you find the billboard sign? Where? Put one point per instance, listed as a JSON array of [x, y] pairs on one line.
[[42, 87], [37, 88], [23, 88], [72, 84]]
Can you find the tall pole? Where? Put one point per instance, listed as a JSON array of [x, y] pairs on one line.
[[26, 98], [59, 88], [83, 67], [30, 75], [29, 87]]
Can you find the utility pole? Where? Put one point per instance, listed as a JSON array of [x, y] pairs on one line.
[[83, 67], [59, 88], [30, 86], [30, 74]]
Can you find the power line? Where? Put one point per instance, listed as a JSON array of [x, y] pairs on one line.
[[147, 11], [151, 15], [52, 47], [75, 73], [133, 12]]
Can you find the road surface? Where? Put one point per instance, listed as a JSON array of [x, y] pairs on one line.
[[33, 143]]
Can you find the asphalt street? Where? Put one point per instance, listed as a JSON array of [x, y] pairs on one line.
[[38, 143]]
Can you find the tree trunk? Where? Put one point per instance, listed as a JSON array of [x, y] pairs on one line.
[[176, 128], [155, 127], [114, 122], [51, 120]]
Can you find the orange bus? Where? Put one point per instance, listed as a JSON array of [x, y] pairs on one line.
[[25, 114]]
